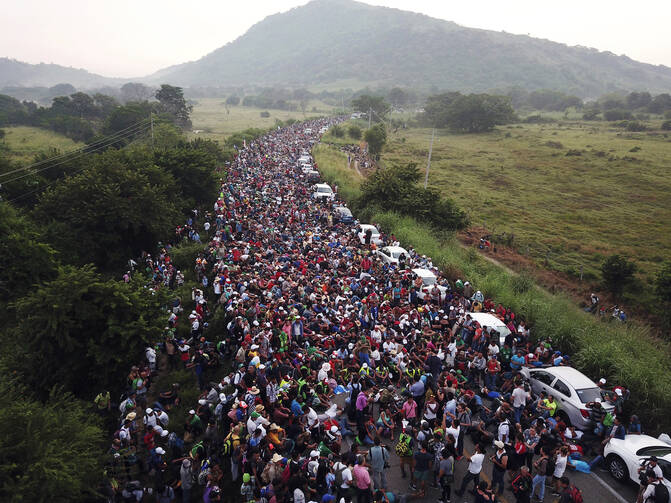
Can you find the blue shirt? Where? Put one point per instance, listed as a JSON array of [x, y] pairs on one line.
[[516, 362]]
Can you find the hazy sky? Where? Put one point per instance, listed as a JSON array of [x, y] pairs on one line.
[[127, 38]]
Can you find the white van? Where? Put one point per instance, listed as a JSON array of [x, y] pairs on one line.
[[489, 320], [323, 191]]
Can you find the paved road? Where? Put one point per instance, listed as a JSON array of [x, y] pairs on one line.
[[598, 487]]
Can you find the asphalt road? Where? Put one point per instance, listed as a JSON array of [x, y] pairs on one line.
[[596, 487]]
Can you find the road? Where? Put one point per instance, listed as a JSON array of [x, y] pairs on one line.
[[598, 487]]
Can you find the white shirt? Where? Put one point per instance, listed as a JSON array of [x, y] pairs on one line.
[[492, 350], [150, 353], [475, 466], [454, 432], [560, 466], [313, 418], [299, 497], [162, 418], [504, 431], [150, 420], [519, 397]]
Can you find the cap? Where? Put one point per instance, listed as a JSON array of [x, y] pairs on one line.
[[602, 381], [246, 478], [149, 411], [499, 444], [192, 411], [314, 454], [160, 450]]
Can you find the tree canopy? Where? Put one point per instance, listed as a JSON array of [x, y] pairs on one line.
[[473, 113], [172, 102]]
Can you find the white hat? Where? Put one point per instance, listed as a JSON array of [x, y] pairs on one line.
[[364, 366], [192, 411], [602, 381], [334, 429], [149, 411], [499, 444], [618, 391], [165, 433], [314, 454], [202, 401], [160, 450]]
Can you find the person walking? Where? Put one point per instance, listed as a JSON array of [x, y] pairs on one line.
[[540, 472], [474, 468], [500, 464], [446, 473], [378, 456]]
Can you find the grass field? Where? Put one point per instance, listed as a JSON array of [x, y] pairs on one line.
[[571, 192], [218, 120], [25, 142]]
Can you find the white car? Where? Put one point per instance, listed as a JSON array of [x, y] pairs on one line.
[[624, 457], [391, 254], [571, 389], [428, 280], [308, 131], [323, 192], [491, 321], [375, 236]]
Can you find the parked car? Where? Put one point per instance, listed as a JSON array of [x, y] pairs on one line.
[[428, 280], [624, 457], [308, 131], [572, 390], [391, 254], [313, 175], [323, 191], [343, 214], [375, 236], [491, 321]]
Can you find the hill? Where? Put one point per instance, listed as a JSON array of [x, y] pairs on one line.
[[331, 41], [18, 73]]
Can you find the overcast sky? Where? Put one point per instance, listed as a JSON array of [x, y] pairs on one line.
[[127, 38]]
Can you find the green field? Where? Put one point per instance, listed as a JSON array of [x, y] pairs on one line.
[[25, 142], [569, 191], [217, 120]]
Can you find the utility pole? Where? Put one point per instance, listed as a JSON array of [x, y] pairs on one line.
[[428, 164], [151, 119], [370, 115]]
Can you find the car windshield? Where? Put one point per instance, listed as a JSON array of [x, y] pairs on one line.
[[654, 450], [589, 394], [323, 189], [428, 280]]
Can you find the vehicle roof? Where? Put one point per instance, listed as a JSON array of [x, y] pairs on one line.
[[369, 226], [424, 273], [343, 209], [572, 376], [396, 249], [323, 185], [487, 319], [636, 442]]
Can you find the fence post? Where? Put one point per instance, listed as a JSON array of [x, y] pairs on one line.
[[581, 267]]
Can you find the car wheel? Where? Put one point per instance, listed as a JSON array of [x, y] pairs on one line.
[[617, 468]]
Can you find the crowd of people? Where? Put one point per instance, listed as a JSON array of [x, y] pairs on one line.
[[335, 367]]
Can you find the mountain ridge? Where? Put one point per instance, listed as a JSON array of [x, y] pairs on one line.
[[326, 42]]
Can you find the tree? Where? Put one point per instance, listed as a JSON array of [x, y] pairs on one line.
[[84, 332], [24, 260], [376, 137], [119, 205], [616, 272], [172, 102], [354, 132], [377, 104], [134, 91], [477, 113], [233, 100], [62, 90], [398, 96], [437, 109], [48, 451]]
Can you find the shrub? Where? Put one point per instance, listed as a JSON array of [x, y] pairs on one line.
[[617, 115], [666, 125], [522, 283], [354, 132], [265, 114], [616, 272], [636, 126], [337, 131]]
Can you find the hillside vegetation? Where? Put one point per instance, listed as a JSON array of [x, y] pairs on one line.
[[355, 44]]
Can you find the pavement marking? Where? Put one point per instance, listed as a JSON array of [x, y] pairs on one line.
[[610, 489]]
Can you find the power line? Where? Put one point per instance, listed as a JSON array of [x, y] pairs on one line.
[[82, 149], [111, 140], [52, 182]]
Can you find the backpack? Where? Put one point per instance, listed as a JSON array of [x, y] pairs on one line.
[[661, 493], [550, 468], [338, 476], [521, 484], [576, 495], [403, 448]]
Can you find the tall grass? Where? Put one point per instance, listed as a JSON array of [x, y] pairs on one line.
[[625, 354]]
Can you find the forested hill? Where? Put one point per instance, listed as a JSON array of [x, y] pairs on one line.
[[18, 73], [342, 41]]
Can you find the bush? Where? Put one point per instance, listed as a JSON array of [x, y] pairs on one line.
[[265, 114], [666, 125], [617, 115], [337, 131], [354, 132], [635, 126], [617, 272], [522, 283]]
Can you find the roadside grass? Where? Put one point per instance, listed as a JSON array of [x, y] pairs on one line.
[[570, 193], [25, 142], [625, 354], [219, 121]]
